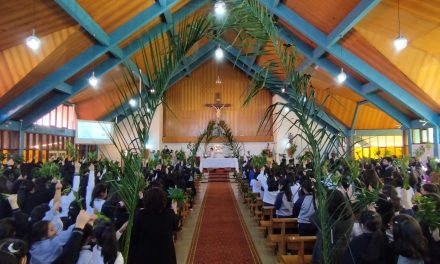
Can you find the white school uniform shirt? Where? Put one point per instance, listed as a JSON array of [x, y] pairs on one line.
[[268, 197], [262, 178], [66, 200], [256, 186], [295, 188], [90, 187], [99, 259]]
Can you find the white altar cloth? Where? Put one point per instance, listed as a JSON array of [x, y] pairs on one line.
[[213, 163]]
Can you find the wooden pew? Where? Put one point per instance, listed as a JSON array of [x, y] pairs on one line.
[[256, 212], [278, 241], [299, 244], [266, 218]]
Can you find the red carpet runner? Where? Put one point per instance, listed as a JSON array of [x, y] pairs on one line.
[[221, 235]]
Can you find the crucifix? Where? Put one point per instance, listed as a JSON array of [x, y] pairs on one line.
[[218, 106]]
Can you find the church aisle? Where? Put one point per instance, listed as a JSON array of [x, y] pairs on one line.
[[221, 235]]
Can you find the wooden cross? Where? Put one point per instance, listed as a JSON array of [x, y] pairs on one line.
[[218, 106]]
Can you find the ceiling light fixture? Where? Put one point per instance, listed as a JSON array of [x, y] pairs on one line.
[[283, 90], [33, 42], [132, 102], [342, 76], [400, 42], [93, 81], [152, 90], [219, 53], [220, 8], [218, 81]]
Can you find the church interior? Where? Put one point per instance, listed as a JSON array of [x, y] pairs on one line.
[[221, 131]]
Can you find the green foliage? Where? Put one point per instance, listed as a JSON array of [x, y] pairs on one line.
[[180, 155], [354, 168], [418, 153], [258, 161], [49, 170], [152, 164], [176, 194], [403, 164], [2, 157], [427, 211], [364, 197], [291, 149], [71, 150], [233, 145], [92, 157], [128, 187]]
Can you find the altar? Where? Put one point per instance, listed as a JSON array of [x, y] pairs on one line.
[[215, 163]]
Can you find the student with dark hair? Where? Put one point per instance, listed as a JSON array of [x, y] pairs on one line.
[[283, 201], [371, 246], [154, 226], [99, 195], [304, 208], [13, 251], [429, 188], [270, 187], [339, 224], [106, 249], [409, 244]]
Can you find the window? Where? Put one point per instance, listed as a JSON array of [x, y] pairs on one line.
[[416, 136], [63, 117], [378, 146]]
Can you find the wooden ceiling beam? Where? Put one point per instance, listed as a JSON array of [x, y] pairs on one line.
[[110, 63], [358, 65], [32, 94]]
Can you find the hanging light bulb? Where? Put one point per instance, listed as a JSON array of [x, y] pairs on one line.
[[341, 76], [93, 81], [400, 43], [220, 8], [218, 81], [219, 53], [132, 102], [33, 42]]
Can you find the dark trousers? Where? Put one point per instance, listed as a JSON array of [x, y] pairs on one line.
[[306, 229]]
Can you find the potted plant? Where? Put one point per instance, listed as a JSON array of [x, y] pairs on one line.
[[291, 149], [180, 155]]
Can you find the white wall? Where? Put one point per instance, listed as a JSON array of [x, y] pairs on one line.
[[155, 138], [428, 153]]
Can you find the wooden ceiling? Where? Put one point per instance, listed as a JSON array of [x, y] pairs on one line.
[[416, 69]]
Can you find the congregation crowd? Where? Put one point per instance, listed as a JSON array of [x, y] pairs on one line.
[[82, 219], [384, 231]]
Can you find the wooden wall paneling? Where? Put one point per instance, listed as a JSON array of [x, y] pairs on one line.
[[187, 116]]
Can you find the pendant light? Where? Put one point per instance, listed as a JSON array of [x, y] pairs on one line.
[[93, 81], [342, 76], [400, 42], [219, 8], [33, 42]]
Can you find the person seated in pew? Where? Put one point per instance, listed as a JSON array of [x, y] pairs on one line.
[[283, 201], [372, 245], [304, 208], [270, 187]]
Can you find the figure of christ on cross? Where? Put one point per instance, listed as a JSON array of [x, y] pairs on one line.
[[218, 106]]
